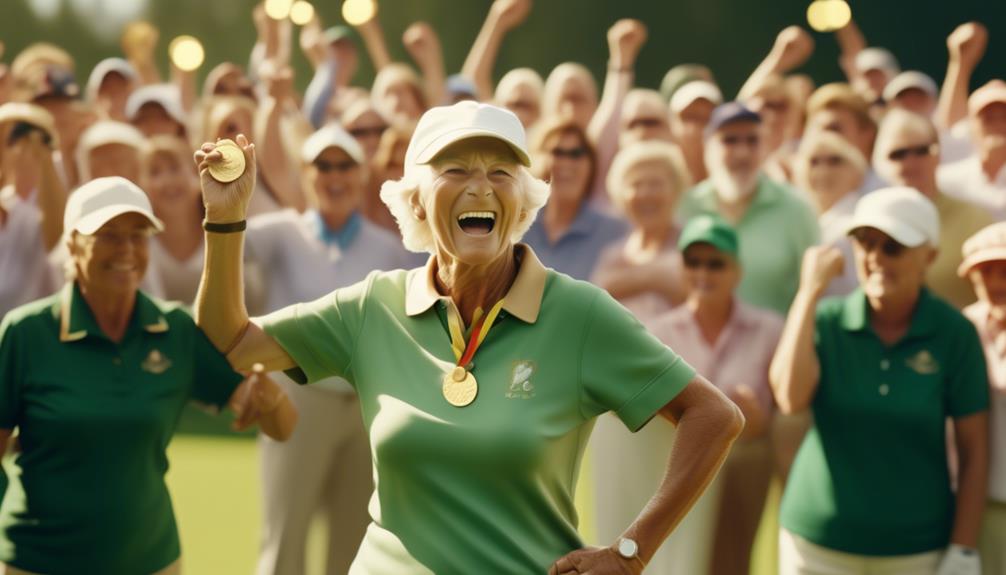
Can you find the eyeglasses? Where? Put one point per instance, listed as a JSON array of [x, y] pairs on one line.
[[775, 105], [830, 160], [749, 140], [570, 153], [363, 132], [711, 264], [326, 167], [107, 238], [521, 105], [644, 123], [887, 246], [917, 151]]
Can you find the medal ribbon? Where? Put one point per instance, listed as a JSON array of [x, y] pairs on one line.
[[464, 353]]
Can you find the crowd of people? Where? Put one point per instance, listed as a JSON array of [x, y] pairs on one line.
[[811, 279]]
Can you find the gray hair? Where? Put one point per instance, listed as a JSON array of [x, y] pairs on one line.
[[666, 155]]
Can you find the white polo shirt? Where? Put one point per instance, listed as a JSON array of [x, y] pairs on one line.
[[25, 274], [967, 181]]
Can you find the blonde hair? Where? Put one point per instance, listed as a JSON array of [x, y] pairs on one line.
[[519, 77], [897, 121], [668, 156], [842, 96], [392, 74], [831, 142], [559, 76], [417, 236]]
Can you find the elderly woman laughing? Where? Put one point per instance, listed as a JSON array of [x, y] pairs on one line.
[[481, 374]]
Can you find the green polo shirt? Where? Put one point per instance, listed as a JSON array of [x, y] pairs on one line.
[[871, 476], [486, 488], [773, 233], [95, 417]]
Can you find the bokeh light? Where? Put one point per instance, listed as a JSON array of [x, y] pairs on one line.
[[357, 12], [301, 12], [278, 9], [186, 53], [828, 15]]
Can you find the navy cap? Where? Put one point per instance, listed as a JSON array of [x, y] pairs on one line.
[[728, 113]]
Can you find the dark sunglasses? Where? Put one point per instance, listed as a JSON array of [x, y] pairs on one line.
[[375, 131], [521, 105], [830, 161], [888, 247], [711, 264], [326, 167], [776, 105], [644, 123], [917, 151], [750, 140], [571, 153]]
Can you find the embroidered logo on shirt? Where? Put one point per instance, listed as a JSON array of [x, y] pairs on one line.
[[156, 363], [923, 363], [521, 386]]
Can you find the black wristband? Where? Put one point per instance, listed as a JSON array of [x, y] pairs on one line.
[[228, 228]]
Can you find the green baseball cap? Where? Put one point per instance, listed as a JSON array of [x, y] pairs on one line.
[[711, 230]]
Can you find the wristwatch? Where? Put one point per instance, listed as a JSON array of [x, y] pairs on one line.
[[628, 548]]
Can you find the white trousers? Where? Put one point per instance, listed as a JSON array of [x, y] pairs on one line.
[[325, 467], [797, 556]]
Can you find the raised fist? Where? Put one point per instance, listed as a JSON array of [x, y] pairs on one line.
[[625, 38], [793, 46], [821, 264], [967, 42], [510, 13]]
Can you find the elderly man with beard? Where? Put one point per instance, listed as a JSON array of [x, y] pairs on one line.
[[769, 217]]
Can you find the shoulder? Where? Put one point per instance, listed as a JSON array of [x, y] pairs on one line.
[[763, 319], [566, 292], [373, 236], [40, 312], [279, 219]]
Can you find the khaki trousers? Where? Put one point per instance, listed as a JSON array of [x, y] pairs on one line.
[[992, 543], [797, 556]]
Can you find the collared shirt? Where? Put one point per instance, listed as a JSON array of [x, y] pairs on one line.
[[871, 182], [25, 274], [871, 476], [576, 252], [342, 237], [993, 338], [95, 418], [959, 220], [774, 232], [486, 488], [741, 353], [967, 181]]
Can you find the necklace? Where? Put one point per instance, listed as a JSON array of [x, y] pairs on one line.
[[459, 385]]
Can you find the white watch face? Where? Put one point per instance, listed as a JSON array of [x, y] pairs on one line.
[[627, 548]]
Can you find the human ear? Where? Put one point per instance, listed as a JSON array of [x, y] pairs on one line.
[[418, 211]]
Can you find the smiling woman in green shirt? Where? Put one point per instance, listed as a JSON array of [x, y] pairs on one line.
[[477, 437], [94, 379]]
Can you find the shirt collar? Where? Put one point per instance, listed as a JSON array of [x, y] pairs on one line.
[[766, 193], [523, 301], [342, 237], [855, 314], [76, 321]]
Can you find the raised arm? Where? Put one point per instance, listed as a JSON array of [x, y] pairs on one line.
[[793, 46], [51, 191], [850, 43], [707, 425], [966, 46], [373, 39], [504, 15], [795, 369], [424, 46], [276, 168], [220, 303]]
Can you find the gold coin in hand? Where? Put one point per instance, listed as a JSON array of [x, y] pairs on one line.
[[231, 166]]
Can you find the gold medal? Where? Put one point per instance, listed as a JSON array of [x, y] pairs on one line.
[[460, 387], [232, 165]]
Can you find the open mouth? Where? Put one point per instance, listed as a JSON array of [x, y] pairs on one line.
[[477, 223]]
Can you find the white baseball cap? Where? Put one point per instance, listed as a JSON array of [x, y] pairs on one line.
[[104, 68], [907, 81], [166, 96], [874, 58], [986, 245], [95, 203], [442, 126], [106, 132], [331, 135], [903, 213], [692, 91], [992, 92]]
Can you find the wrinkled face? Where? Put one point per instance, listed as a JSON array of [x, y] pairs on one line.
[[887, 269], [237, 122], [650, 195], [113, 260], [401, 100], [734, 155], [709, 274], [830, 173], [566, 166], [644, 119], [115, 160], [989, 126], [113, 93], [915, 100], [472, 200], [689, 125], [908, 158], [844, 123], [152, 119], [336, 180], [989, 281], [523, 101], [367, 129], [170, 183]]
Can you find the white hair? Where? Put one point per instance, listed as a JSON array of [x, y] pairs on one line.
[[417, 234], [668, 156]]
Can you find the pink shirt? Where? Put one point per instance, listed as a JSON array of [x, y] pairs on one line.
[[994, 342], [741, 354], [647, 305]]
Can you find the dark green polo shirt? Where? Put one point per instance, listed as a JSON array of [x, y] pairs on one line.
[[87, 494], [871, 476]]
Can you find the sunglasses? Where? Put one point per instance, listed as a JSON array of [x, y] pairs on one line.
[[326, 167], [644, 123], [749, 140], [916, 151], [711, 264], [521, 105], [570, 153], [889, 247], [775, 105], [374, 131], [830, 161]]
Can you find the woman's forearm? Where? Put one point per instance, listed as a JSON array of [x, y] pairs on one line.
[[373, 39], [702, 442], [279, 424], [51, 202], [972, 478], [795, 370], [275, 163], [220, 302]]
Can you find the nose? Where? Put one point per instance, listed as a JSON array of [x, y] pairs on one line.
[[479, 185]]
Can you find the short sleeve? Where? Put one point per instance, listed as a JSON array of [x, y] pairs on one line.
[[321, 335], [967, 390], [214, 381], [624, 368], [10, 375]]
